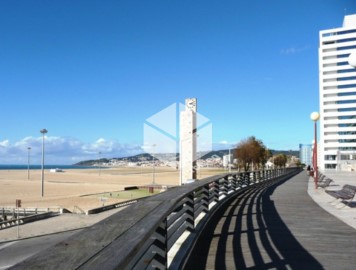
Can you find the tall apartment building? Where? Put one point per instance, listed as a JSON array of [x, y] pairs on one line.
[[337, 97], [305, 154]]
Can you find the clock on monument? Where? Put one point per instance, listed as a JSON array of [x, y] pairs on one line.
[[191, 104]]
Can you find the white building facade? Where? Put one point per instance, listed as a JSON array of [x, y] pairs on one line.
[[337, 82], [305, 154]]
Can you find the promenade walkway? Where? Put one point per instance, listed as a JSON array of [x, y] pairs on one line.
[[276, 227], [61, 223]]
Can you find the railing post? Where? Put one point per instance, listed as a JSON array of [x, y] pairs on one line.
[[244, 179], [240, 179], [234, 182], [229, 183], [205, 199], [190, 212], [254, 177], [216, 188], [225, 185], [160, 259]]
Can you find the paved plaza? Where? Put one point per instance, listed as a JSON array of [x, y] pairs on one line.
[[279, 226], [344, 213]]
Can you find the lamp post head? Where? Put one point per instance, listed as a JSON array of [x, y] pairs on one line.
[[28, 148], [44, 131], [352, 59], [314, 116]]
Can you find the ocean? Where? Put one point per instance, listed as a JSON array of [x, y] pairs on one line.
[[47, 167]]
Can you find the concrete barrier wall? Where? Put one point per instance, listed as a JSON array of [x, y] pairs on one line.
[[23, 220], [110, 207]]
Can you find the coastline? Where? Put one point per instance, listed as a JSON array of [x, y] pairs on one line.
[[38, 167]]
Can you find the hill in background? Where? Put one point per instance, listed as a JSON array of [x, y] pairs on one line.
[[172, 157]]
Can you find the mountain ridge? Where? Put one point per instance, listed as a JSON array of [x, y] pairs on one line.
[[172, 157]]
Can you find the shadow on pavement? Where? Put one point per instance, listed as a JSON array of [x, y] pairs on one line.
[[269, 245]]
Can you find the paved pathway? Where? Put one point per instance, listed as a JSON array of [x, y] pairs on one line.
[[275, 227], [62, 223]]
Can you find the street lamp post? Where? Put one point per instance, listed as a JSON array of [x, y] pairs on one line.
[[43, 131], [99, 163], [28, 162], [229, 160], [315, 117], [153, 165]]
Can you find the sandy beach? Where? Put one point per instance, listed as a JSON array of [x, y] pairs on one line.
[[66, 189]]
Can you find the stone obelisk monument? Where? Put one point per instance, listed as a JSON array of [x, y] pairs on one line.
[[188, 141]]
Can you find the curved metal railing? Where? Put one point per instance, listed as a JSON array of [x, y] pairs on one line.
[[156, 232]]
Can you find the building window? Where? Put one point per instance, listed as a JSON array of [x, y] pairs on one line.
[[343, 63], [347, 117], [346, 48], [346, 32], [343, 55], [347, 110], [346, 79], [347, 140], [342, 71], [346, 101], [347, 148], [346, 40], [330, 166], [346, 86], [330, 157], [347, 133], [347, 125], [348, 157]]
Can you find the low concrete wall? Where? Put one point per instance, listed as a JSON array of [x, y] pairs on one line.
[[13, 222], [110, 207]]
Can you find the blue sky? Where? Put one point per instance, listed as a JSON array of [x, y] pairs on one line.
[[92, 72]]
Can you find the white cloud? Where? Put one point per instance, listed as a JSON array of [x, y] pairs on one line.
[[62, 150], [4, 143], [223, 145]]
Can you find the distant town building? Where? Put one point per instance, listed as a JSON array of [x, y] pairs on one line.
[[338, 96], [305, 154], [269, 165], [227, 160]]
